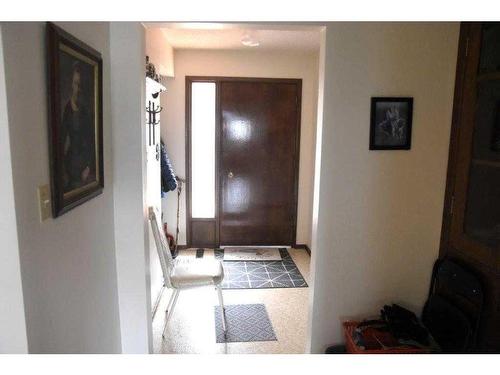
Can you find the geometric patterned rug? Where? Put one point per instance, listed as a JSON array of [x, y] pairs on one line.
[[245, 323], [261, 274]]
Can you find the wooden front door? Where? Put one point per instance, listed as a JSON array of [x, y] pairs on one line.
[[252, 152], [259, 155]]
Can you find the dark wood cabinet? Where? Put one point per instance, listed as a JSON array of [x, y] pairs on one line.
[[471, 220]]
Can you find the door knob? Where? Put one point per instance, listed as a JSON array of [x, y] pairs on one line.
[[230, 174]]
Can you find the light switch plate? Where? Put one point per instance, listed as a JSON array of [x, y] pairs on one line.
[[44, 203]]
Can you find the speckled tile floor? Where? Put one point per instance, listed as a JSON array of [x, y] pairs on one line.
[[191, 328]]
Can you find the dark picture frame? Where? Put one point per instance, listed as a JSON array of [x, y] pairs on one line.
[[391, 123], [75, 120]]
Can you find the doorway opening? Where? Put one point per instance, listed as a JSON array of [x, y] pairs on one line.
[[239, 128], [242, 154]]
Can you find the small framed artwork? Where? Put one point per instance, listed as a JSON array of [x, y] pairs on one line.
[[75, 120], [390, 123]]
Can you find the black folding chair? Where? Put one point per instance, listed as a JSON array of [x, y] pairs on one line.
[[452, 312]]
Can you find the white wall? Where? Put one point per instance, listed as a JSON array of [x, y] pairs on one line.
[[160, 52], [241, 64], [162, 56], [13, 337], [68, 264], [379, 217], [153, 196], [129, 153]]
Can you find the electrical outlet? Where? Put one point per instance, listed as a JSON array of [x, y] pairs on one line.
[[44, 203]]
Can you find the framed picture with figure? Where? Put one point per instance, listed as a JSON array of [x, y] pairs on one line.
[[74, 78], [390, 125]]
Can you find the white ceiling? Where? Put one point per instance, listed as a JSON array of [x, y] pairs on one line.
[[277, 37]]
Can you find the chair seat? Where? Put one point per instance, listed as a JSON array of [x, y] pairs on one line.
[[196, 272]]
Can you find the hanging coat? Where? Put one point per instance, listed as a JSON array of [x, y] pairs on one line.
[[168, 181]]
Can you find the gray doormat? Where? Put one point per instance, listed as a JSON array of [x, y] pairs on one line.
[[245, 323], [251, 254], [261, 275]]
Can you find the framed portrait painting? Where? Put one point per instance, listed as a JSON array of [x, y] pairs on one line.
[[75, 120], [390, 123]]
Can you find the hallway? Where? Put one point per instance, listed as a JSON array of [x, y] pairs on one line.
[[191, 328]]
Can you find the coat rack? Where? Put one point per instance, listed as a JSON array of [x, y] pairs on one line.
[[152, 112]]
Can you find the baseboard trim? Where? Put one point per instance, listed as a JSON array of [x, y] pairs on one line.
[[302, 246], [296, 246]]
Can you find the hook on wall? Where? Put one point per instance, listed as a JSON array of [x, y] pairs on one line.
[[152, 112], [152, 121]]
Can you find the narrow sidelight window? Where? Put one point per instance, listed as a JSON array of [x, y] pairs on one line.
[[203, 149]]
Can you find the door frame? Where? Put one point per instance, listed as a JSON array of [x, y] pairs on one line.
[[218, 139], [452, 241]]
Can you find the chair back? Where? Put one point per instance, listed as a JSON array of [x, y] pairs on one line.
[[453, 310], [162, 247]]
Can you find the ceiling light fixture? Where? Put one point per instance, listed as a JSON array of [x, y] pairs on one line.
[[199, 26], [249, 41]]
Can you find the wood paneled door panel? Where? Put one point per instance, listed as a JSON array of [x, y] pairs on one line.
[[476, 166], [258, 162], [471, 218], [257, 158]]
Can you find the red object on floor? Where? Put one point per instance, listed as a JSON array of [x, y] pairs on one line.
[[376, 342], [170, 238]]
